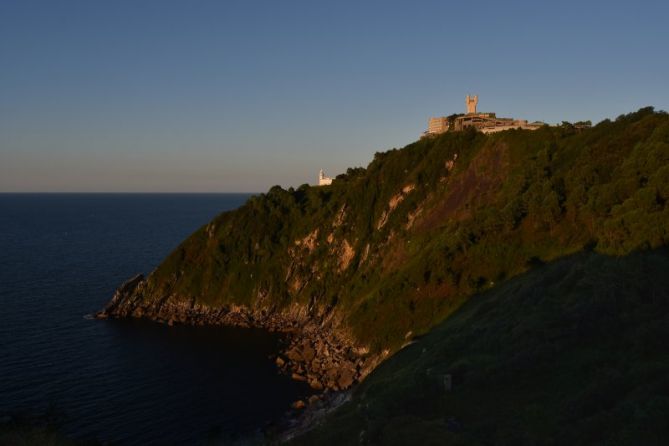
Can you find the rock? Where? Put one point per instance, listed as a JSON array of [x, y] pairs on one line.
[[129, 285], [331, 373], [280, 361], [345, 379], [315, 384], [298, 377], [294, 355], [308, 354], [299, 404], [313, 399]]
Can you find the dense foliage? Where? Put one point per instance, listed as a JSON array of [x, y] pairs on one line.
[[570, 353], [397, 247]]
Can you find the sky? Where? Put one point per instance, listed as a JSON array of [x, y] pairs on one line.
[[238, 96]]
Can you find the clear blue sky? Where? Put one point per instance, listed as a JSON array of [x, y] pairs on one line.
[[229, 96]]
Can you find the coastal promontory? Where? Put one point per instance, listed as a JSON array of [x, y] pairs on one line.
[[355, 270]]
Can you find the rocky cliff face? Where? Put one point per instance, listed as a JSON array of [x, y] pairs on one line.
[[315, 352], [353, 271]]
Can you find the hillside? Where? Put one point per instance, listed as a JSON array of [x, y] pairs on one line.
[[570, 353], [357, 269]]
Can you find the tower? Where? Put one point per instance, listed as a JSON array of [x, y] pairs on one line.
[[323, 180], [472, 102]]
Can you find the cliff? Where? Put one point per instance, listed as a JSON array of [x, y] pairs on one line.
[[355, 270]]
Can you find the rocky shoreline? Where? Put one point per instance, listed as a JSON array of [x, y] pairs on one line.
[[315, 352], [302, 421]]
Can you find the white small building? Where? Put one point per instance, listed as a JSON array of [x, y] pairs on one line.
[[323, 180]]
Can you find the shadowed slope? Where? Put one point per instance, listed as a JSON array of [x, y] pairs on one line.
[[571, 353]]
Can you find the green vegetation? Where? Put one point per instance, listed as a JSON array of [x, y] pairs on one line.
[[397, 247], [573, 352]]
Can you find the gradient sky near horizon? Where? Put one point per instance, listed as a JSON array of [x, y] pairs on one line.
[[229, 96]]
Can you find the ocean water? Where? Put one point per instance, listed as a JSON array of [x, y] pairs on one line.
[[119, 381]]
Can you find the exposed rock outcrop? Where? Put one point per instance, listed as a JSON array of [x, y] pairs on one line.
[[314, 351]]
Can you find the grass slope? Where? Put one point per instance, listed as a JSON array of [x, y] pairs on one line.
[[573, 352]]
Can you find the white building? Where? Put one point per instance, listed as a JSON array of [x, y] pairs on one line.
[[323, 180]]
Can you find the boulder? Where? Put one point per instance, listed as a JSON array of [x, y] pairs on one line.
[[345, 378], [315, 384], [299, 404], [294, 355], [331, 374], [298, 377], [308, 353]]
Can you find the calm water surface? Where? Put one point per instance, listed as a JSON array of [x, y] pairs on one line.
[[128, 382]]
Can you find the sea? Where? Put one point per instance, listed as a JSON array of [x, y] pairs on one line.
[[122, 382]]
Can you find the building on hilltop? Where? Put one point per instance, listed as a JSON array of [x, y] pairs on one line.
[[436, 126], [483, 122], [489, 122], [323, 180]]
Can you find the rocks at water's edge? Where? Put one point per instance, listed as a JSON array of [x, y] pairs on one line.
[[314, 353], [299, 404]]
